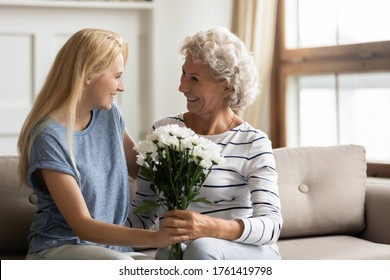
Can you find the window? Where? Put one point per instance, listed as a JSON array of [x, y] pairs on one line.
[[332, 81], [318, 23]]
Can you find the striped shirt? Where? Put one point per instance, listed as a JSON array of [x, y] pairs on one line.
[[245, 187]]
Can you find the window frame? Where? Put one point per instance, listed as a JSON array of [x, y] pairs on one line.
[[341, 59]]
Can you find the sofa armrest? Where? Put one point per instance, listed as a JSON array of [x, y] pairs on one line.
[[377, 211]]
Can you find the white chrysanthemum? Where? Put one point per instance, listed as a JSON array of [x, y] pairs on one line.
[[188, 143], [207, 144], [215, 156], [206, 163], [203, 151], [152, 137], [146, 146], [168, 140], [173, 129], [180, 132], [197, 152], [140, 159]]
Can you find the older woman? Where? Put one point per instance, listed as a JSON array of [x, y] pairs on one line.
[[219, 78]]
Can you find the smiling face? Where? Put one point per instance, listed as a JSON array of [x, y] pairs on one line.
[[204, 94], [99, 92]]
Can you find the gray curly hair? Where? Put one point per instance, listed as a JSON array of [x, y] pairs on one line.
[[228, 59]]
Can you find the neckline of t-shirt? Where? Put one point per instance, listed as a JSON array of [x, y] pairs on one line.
[[244, 123], [90, 125], [223, 133], [82, 132]]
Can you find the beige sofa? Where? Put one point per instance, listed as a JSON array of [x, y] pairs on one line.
[[330, 210]]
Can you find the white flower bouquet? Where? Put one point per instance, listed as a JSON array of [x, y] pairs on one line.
[[177, 162]]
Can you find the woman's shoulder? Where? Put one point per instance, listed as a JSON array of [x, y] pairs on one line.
[[246, 130], [50, 129], [246, 134], [173, 119]]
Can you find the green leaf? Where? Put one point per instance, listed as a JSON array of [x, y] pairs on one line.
[[203, 199], [147, 207]]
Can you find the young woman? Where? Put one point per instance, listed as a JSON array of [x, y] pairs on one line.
[[77, 156]]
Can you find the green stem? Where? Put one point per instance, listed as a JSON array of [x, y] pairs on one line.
[[176, 252]]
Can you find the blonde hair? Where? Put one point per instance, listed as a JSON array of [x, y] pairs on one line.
[[228, 59], [87, 54]]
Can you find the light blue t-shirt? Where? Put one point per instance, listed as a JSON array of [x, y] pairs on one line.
[[103, 179]]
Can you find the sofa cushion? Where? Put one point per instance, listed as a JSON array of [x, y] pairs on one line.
[[333, 247], [17, 208], [322, 190]]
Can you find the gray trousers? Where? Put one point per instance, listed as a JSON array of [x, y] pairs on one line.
[[219, 249], [85, 252]]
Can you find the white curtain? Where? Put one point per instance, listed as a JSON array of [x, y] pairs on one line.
[[254, 22]]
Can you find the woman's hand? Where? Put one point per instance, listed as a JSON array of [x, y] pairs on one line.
[[195, 225], [166, 236], [192, 224]]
